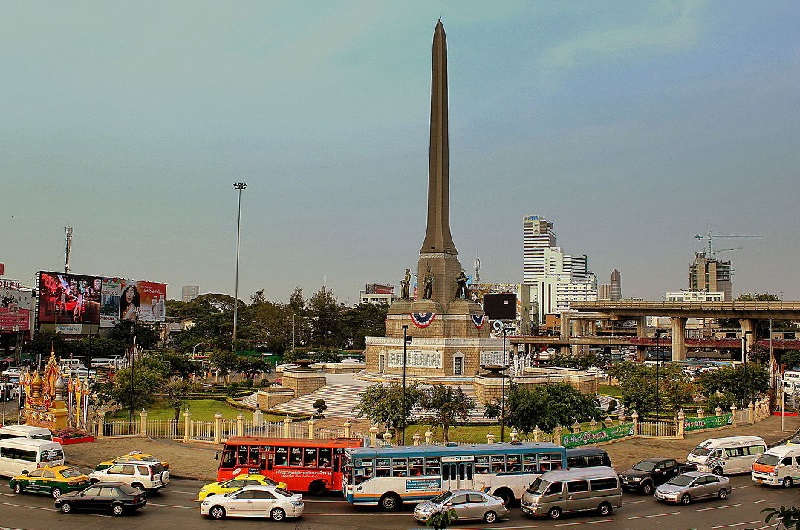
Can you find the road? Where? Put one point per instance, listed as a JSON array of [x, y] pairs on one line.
[[175, 507]]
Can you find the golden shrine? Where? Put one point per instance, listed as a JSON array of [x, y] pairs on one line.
[[52, 401]]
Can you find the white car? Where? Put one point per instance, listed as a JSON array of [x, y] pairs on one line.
[[254, 501], [137, 473]]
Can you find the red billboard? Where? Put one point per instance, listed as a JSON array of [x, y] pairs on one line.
[[14, 319], [68, 298]]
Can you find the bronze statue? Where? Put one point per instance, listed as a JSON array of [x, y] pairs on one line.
[[405, 285], [428, 285], [462, 291]]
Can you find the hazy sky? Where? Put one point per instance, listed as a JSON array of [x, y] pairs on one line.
[[633, 126]]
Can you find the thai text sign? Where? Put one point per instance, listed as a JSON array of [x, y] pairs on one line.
[[423, 484], [597, 436], [709, 422]]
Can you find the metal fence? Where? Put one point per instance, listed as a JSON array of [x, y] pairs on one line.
[[662, 429]]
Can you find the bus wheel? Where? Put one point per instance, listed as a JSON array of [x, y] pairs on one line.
[[507, 496], [390, 502], [317, 488]]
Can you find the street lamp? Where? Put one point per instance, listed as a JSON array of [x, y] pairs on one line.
[[504, 364], [744, 363], [406, 340], [658, 362], [238, 186]]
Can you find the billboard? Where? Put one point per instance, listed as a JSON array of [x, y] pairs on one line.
[[68, 298], [132, 300]]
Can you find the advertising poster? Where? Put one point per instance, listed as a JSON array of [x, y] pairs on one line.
[[132, 301], [69, 298]]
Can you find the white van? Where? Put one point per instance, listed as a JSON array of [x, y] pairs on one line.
[[23, 454], [778, 466], [25, 431], [573, 490], [729, 455]]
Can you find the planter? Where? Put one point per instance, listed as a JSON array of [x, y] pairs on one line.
[[70, 441]]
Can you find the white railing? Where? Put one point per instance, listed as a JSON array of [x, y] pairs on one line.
[[657, 428], [169, 429]]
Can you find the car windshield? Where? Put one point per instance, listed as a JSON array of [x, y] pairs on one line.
[[700, 451], [681, 480], [439, 499], [71, 472], [538, 486], [284, 492], [644, 465], [768, 459]]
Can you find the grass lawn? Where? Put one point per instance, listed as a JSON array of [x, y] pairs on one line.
[[610, 390], [201, 409]]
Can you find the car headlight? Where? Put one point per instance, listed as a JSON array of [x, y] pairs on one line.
[[635, 479], [297, 503]]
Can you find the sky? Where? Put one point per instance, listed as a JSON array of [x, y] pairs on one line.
[[632, 126]]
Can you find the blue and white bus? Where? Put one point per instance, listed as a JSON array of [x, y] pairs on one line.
[[390, 476]]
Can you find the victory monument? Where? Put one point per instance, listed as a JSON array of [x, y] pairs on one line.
[[449, 332]]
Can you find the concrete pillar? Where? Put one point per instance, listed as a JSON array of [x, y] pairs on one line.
[[287, 422], [514, 435], [748, 332], [537, 434], [311, 429], [680, 428], [417, 437], [101, 423], [635, 420], [143, 423], [641, 352], [751, 412], [373, 436], [240, 425], [217, 428], [641, 327], [566, 328], [387, 439], [733, 415], [678, 338], [428, 437], [700, 413], [576, 427], [258, 418], [490, 438], [347, 432], [187, 426]]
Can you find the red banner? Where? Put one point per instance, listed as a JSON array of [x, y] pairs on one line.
[[14, 319]]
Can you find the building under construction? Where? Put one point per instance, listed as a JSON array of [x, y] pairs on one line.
[[709, 274]]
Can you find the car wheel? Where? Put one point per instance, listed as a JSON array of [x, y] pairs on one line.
[[317, 488], [66, 507], [717, 471], [55, 492], [217, 512], [507, 496], [390, 502], [554, 513], [647, 488], [17, 488], [723, 494], [137, 485], [686, 499], [489, 517], [787, 482], [604, 509], [277, 514], [117, 510]]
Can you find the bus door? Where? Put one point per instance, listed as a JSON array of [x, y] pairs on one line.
[[457, 472]]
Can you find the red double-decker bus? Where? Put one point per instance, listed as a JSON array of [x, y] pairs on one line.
[[313, 466]]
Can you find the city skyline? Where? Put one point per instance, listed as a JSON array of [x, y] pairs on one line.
[[633, 127]]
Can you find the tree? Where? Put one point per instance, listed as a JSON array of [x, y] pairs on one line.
[[788, 518], [736, 383], [363, 320], [384, 404], [790, 359], [137, 394], [324, 312], [442, 519], [636, 385], [447, 406], [675, 388], [224, 360], [549, 405], [177, 392], [250, 366], [320, 406]]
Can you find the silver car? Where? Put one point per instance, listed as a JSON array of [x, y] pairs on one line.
[[693, 485], [467, 504]]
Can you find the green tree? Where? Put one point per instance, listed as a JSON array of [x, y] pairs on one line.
[[790, 359], [581, 361], [225, 361], [786, 517], [135, 389], [549, 405], [177, 392], [324, 313], [442, 519], [637, 386], [446, 406], [675, 389], [384, 404], [320, 406], [736, 383]]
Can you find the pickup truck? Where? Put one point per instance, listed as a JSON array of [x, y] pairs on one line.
[[649, 473]]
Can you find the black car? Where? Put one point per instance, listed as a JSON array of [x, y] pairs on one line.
[[114, 497], [649, 473]]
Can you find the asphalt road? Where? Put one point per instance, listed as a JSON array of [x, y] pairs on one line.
[[176, 507]]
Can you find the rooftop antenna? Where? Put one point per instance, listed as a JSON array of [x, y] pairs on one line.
[[68, 230]]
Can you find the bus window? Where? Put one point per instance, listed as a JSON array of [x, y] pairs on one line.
[[513, 464], [324, 457], [253, 458], [310, 457], [399, 467], [228, 459], [482, 464], [295, 456], [416, 466], [549, 461], [281, 456], [432, 465], [529, 463], [242, 456], [498, 463], [383, 467]]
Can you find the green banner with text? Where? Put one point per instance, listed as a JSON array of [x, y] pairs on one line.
[[709, 422], [601, 435]]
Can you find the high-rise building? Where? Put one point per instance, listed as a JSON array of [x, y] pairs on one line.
[[615, 293], [709, 274], [554, 278], [190, 292]]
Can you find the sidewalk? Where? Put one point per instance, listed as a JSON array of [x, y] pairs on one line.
[[197, 460]]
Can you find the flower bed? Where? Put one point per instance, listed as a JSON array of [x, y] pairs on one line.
[[71, 435], [70, 441]]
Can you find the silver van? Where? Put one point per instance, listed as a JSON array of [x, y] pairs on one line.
[[573, 490]]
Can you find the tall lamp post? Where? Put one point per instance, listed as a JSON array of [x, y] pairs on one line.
[[238, 186], [406, 340], [744, 364], [658, 362], [504, 364]]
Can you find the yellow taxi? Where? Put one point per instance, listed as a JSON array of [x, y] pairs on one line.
[[133, 455], [53, 481], [233, 484]]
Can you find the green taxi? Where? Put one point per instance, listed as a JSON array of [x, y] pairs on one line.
[[233, 484], [53, 481], [133, 455]]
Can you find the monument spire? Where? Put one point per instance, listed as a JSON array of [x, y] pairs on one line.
[[437, 233]]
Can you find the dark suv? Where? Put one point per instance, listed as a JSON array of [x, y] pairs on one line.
[[649, 473]]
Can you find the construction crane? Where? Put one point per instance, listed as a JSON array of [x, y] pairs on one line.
[[711, 236]]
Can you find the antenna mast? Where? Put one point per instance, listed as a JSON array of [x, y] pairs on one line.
[[68, 250]]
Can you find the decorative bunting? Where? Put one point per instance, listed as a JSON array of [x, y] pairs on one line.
[[478, 320], [422, 320]]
